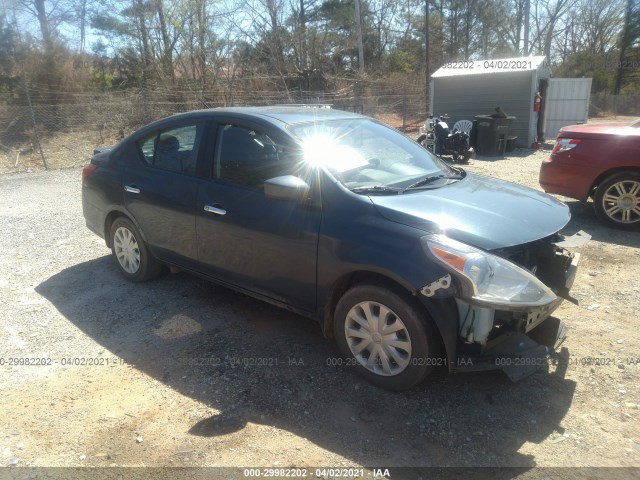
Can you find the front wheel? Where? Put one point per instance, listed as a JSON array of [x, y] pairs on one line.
[[617, 200], [386, 336], [131, 253]]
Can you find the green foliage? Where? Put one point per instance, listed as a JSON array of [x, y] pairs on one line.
[[8, 40], [586, 64], [397, 61], [102, 75], [8, 82], [628, 74], [127, 68], [337, 15], [103, 79], [111, 24]]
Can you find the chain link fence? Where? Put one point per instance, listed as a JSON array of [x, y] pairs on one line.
[[58, 136], [65, 135], [606, 106]]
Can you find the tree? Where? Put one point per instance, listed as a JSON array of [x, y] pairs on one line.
[[8, 45], [203, 46], [168, 42], [547, 17], [629, 47]]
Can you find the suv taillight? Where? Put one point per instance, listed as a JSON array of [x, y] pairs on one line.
[[564, 144], [88, 170]]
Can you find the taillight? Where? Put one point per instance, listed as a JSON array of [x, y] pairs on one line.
[[88, 170], [564, 144]]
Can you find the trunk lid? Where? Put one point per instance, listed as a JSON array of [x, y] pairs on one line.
[[602, 130]]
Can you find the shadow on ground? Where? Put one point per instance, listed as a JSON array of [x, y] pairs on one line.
[[518, 152], [257, 363], [584, 218]]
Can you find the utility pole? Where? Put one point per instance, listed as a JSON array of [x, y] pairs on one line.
[[35, 125], [359, 33], [527, 9], [427, 69]]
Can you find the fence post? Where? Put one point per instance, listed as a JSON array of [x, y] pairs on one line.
[[229, 102], [35, 126], [404, 113], [145, 106], [359, 105]]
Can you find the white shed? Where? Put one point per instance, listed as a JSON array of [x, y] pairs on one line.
[[466, 89], [567, 104]]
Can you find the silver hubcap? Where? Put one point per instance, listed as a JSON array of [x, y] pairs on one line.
[[378, 338], [127, 250], [621, 201]]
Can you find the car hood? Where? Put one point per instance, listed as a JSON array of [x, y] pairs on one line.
[[481, 211]]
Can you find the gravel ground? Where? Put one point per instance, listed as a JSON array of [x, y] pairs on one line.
[[178, 372]]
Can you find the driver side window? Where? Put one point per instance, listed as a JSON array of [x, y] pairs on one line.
[[247, 157]]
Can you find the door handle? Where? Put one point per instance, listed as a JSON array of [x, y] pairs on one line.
[[131, 189], [216, 210]]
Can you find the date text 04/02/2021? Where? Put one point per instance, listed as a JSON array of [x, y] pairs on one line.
[[416, 361], [325, 472]]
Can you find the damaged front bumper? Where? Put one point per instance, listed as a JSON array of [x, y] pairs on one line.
[[518, 355], [517, 340]]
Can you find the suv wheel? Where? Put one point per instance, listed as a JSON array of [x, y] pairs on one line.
[[617, 200], [131, 253], [385, 335]]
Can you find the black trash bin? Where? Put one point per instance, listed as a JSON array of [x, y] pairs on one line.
[[492, 134]]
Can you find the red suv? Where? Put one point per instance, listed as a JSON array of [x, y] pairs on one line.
[[601, 162]]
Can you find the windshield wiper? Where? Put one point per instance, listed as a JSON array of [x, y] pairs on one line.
[[377, 189], [423, 182], [458, 170]]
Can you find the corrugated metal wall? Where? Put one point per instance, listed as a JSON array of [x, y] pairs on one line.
[[567, 104], [464, 97]]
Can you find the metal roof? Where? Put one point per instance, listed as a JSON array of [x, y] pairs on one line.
[[477, 67]]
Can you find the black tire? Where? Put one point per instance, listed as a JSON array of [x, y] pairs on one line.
[[127, 243], [422, 140], [617, 200], [419, 331]]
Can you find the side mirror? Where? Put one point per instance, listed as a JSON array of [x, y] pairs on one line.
[[287, 187]]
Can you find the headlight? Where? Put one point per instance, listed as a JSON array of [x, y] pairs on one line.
[[488, 278]]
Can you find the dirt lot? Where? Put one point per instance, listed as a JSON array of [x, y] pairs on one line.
[[178, 372]]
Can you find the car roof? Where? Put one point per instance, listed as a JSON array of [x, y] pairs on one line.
[[283, 113]]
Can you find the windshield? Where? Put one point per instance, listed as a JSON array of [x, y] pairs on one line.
[[362, 153]]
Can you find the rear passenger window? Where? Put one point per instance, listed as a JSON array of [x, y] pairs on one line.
[[147, 147], [175, 149]]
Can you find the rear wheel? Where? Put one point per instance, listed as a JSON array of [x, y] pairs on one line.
[[131, 253], [385, 335], [617, 200]]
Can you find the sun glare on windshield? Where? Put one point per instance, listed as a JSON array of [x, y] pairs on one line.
[[321, 149], [364, 154]]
